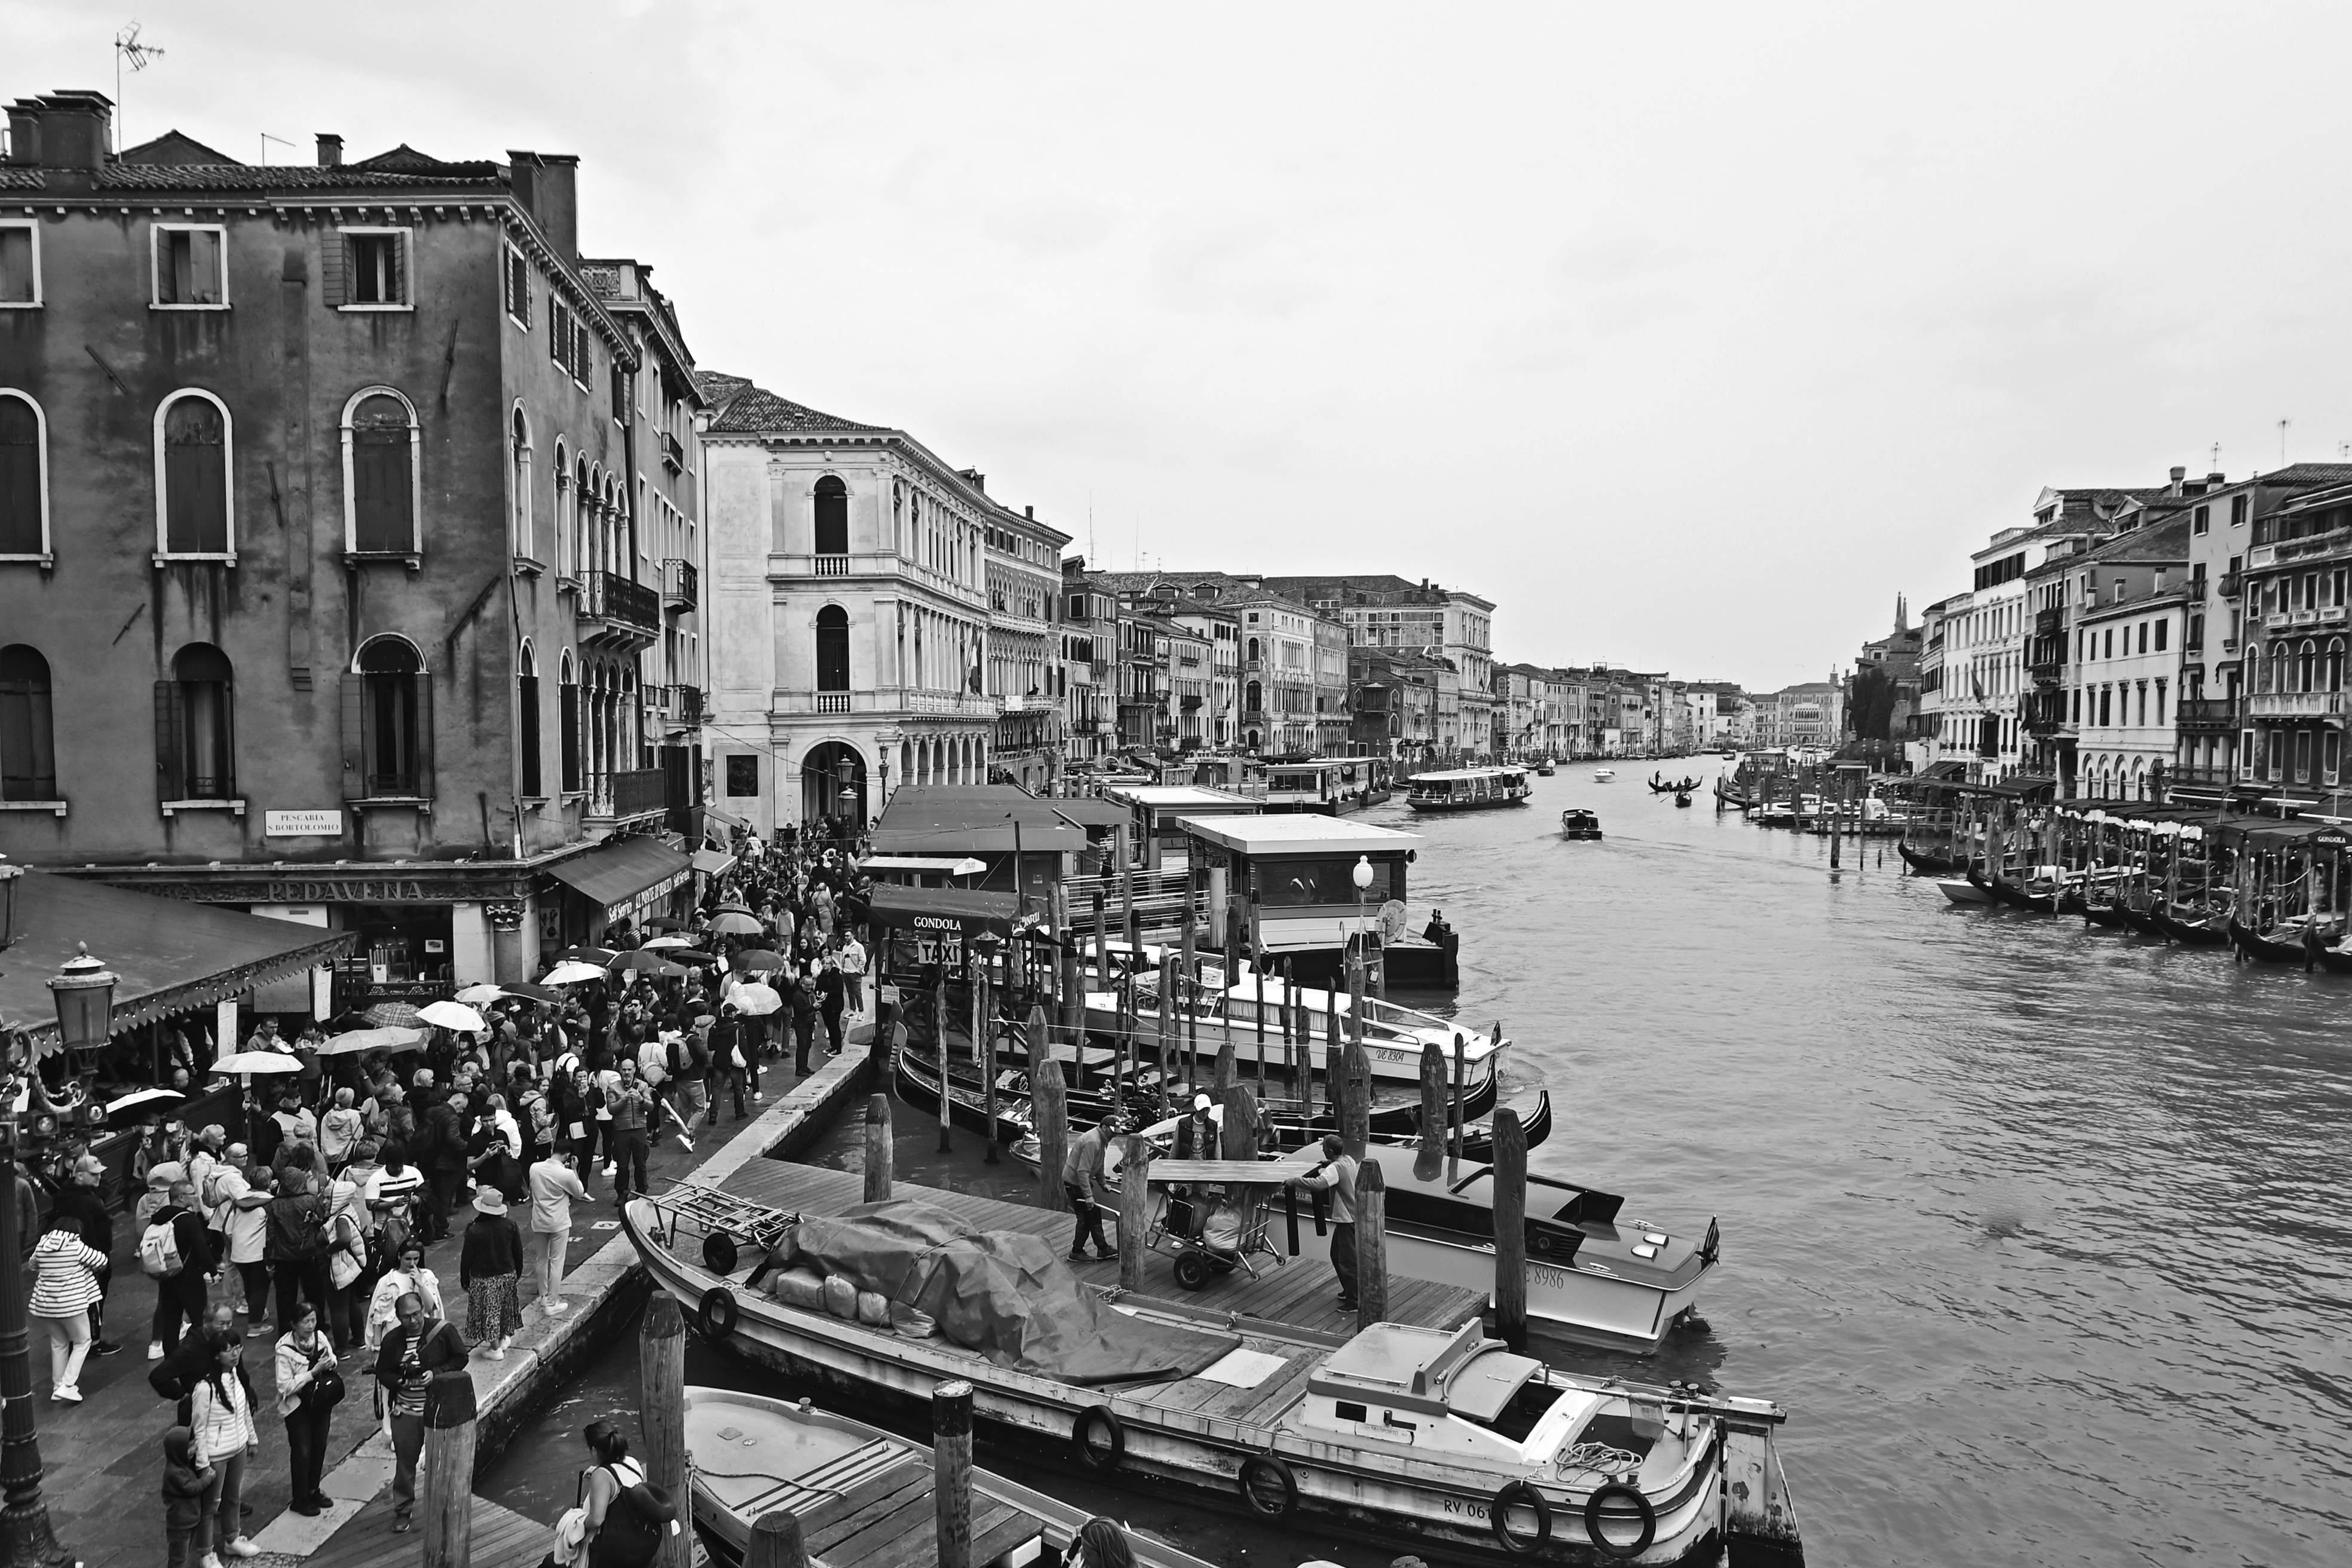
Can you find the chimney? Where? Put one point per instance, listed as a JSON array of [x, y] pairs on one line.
[[24, 131], [330, 149], [2178, 475], [2213, 481], [548, 186], [1030, 512], [975, 478], [74, 128]]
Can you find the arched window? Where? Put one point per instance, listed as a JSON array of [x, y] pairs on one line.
[[2336, 663], [584, 506], [388, 723], [196, 734], [1253, 697], [381, 453], [527, 711], [193, 447], [24, 479], [561, 518], [567, 718], [518, 460], [28, 758], [832, 517], [1253, 651], [833, 648], [2307, 666]]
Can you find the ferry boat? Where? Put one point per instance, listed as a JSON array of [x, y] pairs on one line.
[[1331, 785], [1469, 789], [1423, 1438], [751, 1453], [1222, 1007]]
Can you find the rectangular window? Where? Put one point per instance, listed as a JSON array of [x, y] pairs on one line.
[[559, 332], [2107, 706], [518, 289], [20, 265], [2160, 705], [2238, 504], [2201, 521], [2331, 755], [374, 270], [2303, 756], [190, 267], [2142, 636], [2161, 627], [2110, 644]]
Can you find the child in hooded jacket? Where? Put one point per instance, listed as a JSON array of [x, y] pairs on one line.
[[185, 1476]]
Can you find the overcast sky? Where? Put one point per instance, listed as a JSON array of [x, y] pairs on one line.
[[1690, 335]]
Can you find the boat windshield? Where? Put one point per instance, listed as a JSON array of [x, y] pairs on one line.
[[1515, 1419]]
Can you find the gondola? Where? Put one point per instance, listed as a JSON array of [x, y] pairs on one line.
[[2141, 920], [2254, 944], [2015, 897], [2111, 916], [916, 1077], [2208, 932], [1927, 864], [1669, 786]]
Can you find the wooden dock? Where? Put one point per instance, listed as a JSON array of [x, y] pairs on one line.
[[1303, 1294], [501, 1538]]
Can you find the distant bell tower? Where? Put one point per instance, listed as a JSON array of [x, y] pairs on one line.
[[1902, 615]]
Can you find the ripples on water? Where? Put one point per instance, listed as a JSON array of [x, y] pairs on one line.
[[2037, 1231]]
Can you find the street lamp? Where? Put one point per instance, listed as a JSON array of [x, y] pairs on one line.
[[1363, 876]]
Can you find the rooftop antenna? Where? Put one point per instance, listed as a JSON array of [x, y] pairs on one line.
[[2215, 464], [266, 139], [2282, 424], [127, 47]]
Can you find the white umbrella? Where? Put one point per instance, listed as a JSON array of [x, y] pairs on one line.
[[144, 1096], [475, 995], [384, 1039], [244, 1062], [755, 1000], [571, 973], [660, 941], [452, 1015]]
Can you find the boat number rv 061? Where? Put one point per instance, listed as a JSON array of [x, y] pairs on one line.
[[1466, 1506]]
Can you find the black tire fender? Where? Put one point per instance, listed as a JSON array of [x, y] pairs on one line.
[[1262, 1469], [1520, 1494], [1105, 1459], [719, 1254], [718, 1313], [1640, 1505]]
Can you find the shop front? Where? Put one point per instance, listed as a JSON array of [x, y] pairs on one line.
[[627, 880]]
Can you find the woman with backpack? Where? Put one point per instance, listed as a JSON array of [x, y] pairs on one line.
[[296, 1244], [175, 1250], [627, 1515]]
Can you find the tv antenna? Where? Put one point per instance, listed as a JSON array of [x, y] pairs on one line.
[[266, 139], [127, 47], [2282, 424]]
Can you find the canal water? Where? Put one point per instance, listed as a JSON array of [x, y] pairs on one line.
[[2039, 1232]]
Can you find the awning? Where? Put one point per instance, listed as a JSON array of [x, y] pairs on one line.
[[628, 870], [713, 862], [976, 819], [170, 954], [716, 815], [944, 910]]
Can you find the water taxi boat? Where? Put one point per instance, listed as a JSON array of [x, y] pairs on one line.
[[1602, 775], [1543, 767], [1431, 1439], [1331, 785], [854, 1485], [1469, 789], [1574, 824]]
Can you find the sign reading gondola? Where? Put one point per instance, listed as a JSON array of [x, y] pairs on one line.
[[2332, 838]]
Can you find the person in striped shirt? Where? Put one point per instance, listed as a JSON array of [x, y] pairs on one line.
[[65, 1288]]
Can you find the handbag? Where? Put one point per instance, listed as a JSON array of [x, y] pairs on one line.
[[324, 1391]]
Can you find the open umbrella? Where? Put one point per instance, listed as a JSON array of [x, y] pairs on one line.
[[651, 964], [730, 907], [688, 956], [530, 992], [452, 1015], [480, 996], [144, 1096], [732, 923], [754, 1000], [572, 973], [391, 1016], [240, 1063], [353, 1042], [758, 958], [598, 956], [659, 942]]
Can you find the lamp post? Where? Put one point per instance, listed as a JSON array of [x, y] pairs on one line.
[[84, 991], [1362, 877]]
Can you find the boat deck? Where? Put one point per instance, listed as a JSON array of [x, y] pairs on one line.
[[1301, 1296]]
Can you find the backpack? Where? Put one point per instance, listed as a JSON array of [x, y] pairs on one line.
[[159, 1250], [295, 1235]]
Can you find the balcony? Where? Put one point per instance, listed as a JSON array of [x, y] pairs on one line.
[[681, 584], [2200, 715], [673, 453], [2045, 622], [828, 565], [620, 797], [886, 699], [618, 613], [2262, 555], [689, 705], [2297, 704], [2046, 671], [2232, 583], [2195, 590]]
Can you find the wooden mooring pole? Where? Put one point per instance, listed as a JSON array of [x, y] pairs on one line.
[[1238, 1139], [983, 1024], [445, 1487], [1431, 1158], [1049, 1114], [776, 1542], [951, 1472], [939, 1028], [661, 1388], [1454, 1133], [1371, 1245], [1134, 1210], [1355, 1099], [1510, 1182], [880, 1152]]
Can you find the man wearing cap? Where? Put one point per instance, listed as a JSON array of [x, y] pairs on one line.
[[1082, 1184]]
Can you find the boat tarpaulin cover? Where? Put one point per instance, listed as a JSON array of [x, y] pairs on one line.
[[1003, 1293]]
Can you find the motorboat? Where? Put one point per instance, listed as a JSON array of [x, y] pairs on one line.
[[750, 1453], [1576, 824], [1963, 891], [1432, 1439], [1543, 767], [1469, 789], [1602, 775]]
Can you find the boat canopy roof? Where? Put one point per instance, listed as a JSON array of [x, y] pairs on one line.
[[1450, 775], [1294, 833], [1461, 1371]]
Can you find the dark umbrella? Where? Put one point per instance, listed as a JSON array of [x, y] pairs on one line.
[[663, 922], [602, 957], [730, 907], [688, 956], [393, 1015], [651, 964], [534, 993], [758, 958]]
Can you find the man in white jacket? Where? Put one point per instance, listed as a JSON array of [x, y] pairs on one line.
[[554, 1188]]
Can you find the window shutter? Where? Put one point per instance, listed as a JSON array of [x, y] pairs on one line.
[[355, 758], [171, 744], [334, 266], [227, 739], [528, 711], [400, 243], [424, 683], [567, 721]]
